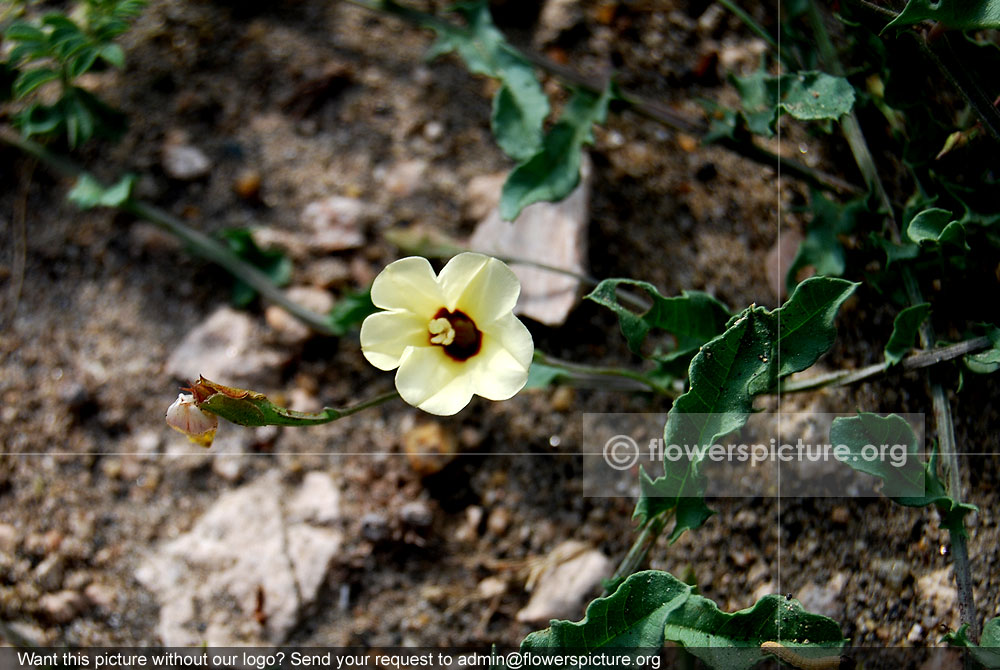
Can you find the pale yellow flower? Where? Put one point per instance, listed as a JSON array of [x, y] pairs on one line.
[[451, 335], [185, 416]]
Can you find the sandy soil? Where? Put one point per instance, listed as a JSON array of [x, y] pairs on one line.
[[325, 99]]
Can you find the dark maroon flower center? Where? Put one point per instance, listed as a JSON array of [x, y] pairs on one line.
[[456, 333]]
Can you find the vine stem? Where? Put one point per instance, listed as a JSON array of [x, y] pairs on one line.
[[921, 359], [639, 381], [640, 547], [648, 108], [200, 244]]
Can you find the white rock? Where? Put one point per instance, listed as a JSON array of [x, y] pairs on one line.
[[551, 233], [183, 161], [557, 17], [825, 599], [289, 329], [561, 590], [316, 501], [333, 224], [208, 581], [937, 592], [226, 349], [62, 606], [402, 179], [9, 539]]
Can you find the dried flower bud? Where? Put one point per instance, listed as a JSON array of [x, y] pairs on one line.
[[185, 416]]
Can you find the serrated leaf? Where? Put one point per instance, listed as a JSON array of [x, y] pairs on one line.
[[553, 172], [911, 481], [273, 263], [904, 329], [693, 318], [964, 15], [29, 80], [249, 408], [520, 105], [350, 310], [987, 652], [806, 321], [757, 348], [631, 618], [89, 193], [807, 96], [936, 225], [732, 641], [821, 248]]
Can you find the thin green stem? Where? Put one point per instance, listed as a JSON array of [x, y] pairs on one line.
[[850, 127], [748, 20], [330, 414], [951, 464], [589, 372], [200, 244], [640, 548]]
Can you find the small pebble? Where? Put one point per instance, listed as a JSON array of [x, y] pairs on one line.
[[374, 527], [185, 162], [429, 447], [247, 184], [49, 573], [62, 606], [417, 514]]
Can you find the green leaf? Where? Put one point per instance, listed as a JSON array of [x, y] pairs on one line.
[[806, 321], [936, 225], [693, 318], [89, 193], [910, 482], [652, 607], [520, 105], [733, 640], [631, 618], [904, 329], [22, 31], [807, 96], [986, 362], [249, 408], [350, 310], [987, 652], [272, 263], [112, 54], [542, 376], [31, 79], [757, 348], [553, 172], [821, 247], [955, 14], [82, 61]]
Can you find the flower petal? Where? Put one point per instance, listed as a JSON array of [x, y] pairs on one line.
[[386, 335], [429, 380], [501, 368], [482, 287], [408, 284]]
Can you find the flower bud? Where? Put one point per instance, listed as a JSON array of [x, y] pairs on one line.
[[185, 416]]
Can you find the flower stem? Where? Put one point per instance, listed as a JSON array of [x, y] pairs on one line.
[[581, 372], [200, 244]]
